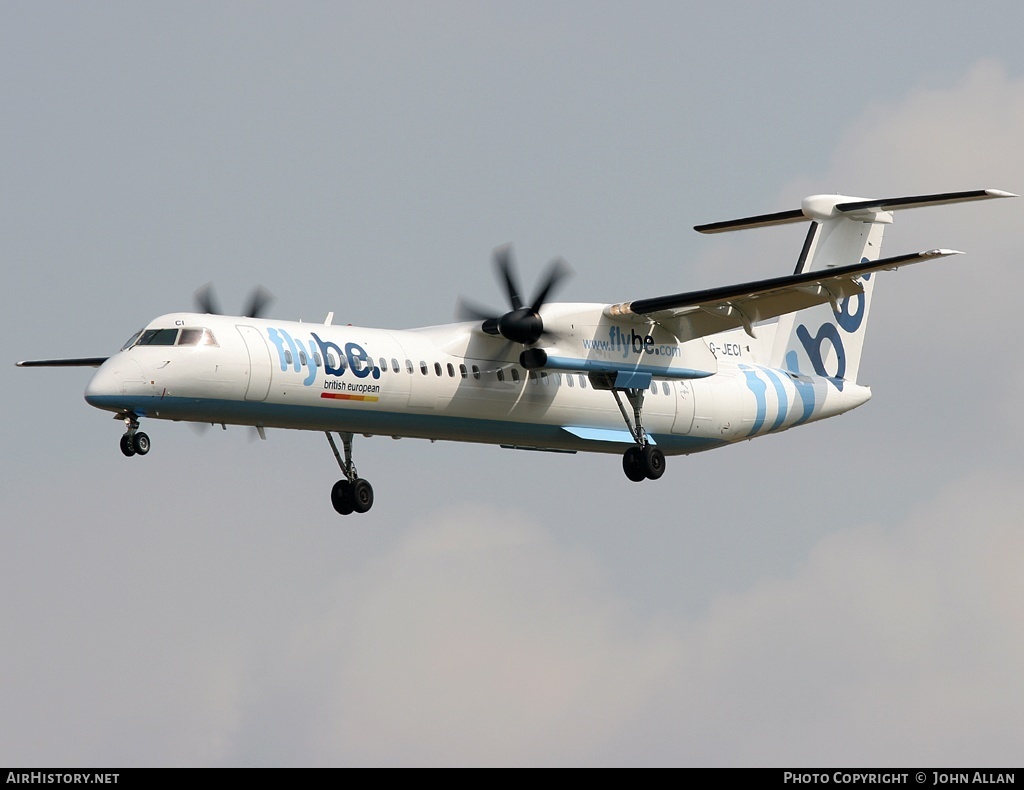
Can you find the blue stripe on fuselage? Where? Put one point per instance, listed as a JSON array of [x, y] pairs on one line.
[[424, 426]]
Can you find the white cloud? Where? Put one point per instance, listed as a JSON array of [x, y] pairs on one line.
[[963, 137], [477, 640], [894, 645]]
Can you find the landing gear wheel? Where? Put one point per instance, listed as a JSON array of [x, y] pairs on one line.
[[633, 465], [126, 446], [362, 496], [652, 462], [341, 497], [141, 443]]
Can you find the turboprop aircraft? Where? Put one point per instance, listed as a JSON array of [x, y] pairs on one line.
[[646, 379]]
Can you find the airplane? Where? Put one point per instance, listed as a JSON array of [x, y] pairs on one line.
[[644, 379]]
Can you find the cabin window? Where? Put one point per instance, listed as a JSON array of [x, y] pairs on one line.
[[383, 365], [158, 337], [394, 366], [568, 379], [288, 356], [533, 376], [476, 372], [515, 375], [558, 379], [302, 358], [664, 387], [437, 368], [408, 366], [501, 374], [654, 388], [463, 372], [316, 359], [423, 367], [451, 370]]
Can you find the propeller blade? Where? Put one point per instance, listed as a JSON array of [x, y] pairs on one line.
[[258, 301], [558, 270], [503, 262], [466, 310], [206, 301]]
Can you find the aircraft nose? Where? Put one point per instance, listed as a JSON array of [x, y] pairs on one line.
[[106, 388]]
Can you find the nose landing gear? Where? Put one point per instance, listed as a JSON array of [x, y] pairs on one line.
[[352, 494], [134, 441]]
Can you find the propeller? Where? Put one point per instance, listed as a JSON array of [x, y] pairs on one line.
[[206, 301], [522, 324]]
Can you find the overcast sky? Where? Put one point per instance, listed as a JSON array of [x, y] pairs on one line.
[[848, 593]]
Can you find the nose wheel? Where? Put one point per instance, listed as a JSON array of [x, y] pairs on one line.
[[134, 441], [351, 494]]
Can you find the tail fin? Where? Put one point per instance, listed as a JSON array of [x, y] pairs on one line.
[[827, 340]]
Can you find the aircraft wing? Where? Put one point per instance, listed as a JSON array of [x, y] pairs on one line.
[[699, 313], [84, 362]]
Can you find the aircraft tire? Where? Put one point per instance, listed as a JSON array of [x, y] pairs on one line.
[[341, 497], [362, 496], [126, 446], [633, 465], [141, 443], [653, 462]]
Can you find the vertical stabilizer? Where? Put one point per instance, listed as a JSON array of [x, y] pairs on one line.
[[827, 340]]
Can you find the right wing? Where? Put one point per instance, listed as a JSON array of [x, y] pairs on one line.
[[700, 313]]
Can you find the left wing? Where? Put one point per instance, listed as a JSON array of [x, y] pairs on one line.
[[699, 313], [84, 362]]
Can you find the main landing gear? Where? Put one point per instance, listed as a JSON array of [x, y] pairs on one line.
[[134, 441], [352, 494], [644, 461]]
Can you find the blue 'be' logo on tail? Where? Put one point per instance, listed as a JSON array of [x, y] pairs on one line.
[[848, 321]]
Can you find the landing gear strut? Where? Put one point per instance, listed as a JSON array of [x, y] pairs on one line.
[[644, 461], [134, 441], [351, 494]]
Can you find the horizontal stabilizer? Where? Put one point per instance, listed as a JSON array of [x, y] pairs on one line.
[[760, 221], [84, 362], [822, 207], [921, 201]]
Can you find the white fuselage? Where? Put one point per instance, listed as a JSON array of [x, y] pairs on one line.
[[453, 382]]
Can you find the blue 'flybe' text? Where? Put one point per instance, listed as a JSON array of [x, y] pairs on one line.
[[322, 353], [619, 341]]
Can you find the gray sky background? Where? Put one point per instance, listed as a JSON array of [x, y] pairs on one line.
[[845, 594]]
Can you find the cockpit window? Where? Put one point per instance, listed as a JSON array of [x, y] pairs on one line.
[[131, 341], [158, 337], [196, 337]]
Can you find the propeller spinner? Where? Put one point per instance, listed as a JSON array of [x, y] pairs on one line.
[[522, 324]]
